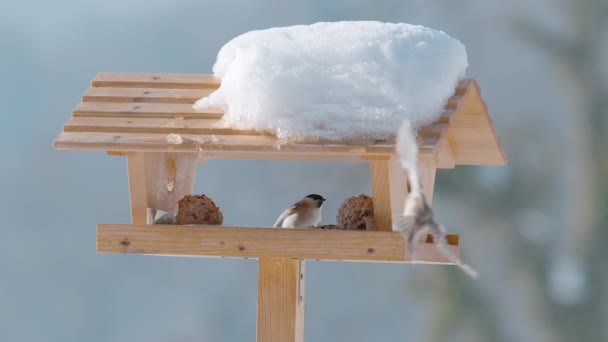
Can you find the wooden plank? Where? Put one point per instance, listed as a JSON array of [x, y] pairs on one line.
[[155, 80], [216, 144], [169, 177], [240, 242], [151, 125], [397, 186], [472, 135], [144, 110], [379, 172], [280, 312], [301, 156], [454, 101], [463, 85], [145, 95], [466, 122], [136, 172], [445, 157], [437, 129], [426, 171], [478, 156], [474, 139], [472, 103]]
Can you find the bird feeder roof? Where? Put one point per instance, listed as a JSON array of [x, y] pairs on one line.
[[124, 112]]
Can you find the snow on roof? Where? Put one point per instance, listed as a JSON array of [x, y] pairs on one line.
[[336, 80]]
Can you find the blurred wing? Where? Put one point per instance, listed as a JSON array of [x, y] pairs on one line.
[[404, 224], [283, 216]]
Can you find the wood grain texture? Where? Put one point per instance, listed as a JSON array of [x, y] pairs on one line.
[[280, 312], [381, 194], [154, 80], [117, 125], [215, 146], [426, 171], [169, 177], [144, 110], [242, 242], [445, 157], [397, 186], [145, 95], [472, 135], [136, 172]]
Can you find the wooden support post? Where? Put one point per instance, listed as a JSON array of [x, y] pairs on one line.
[[389, 187], [280, 300], [398, 186], [381, 194], [427, 167], [157, 181], [137, 187], [169, 177], [445, 157]]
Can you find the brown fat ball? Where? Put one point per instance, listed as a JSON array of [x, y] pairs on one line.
[[356, 213], [198, 209]]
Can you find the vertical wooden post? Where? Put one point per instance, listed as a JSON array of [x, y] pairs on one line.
[[169, 177], [280, 300], [381, 195], [427, 167], [157, 181], [389, 187], [398, 186], [136, 172]]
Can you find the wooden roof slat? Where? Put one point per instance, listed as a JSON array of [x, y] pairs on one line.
[[145, 95], [154, 80], [151, 125], [146, 110]]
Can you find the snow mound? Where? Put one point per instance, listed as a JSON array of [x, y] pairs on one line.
[[336, 80]]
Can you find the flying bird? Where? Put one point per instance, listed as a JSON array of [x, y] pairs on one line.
[[417, 218]]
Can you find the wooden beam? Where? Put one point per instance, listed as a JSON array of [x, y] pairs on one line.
[[157, 181], [120, 125], [397, 186], [445, 157], [235, 145], [427, 167], [280, 316], [144, 110], [154, 80], [169, 177], [241, 242], [381, 194], [136, 171], [142, 95]]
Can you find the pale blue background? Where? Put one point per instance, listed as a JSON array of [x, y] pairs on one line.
[[53, 287]]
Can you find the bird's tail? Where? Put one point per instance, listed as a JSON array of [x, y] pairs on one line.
[[439, 236], [407, 149]]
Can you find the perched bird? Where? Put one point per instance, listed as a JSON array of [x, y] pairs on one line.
[[303, 214], [417, 218]]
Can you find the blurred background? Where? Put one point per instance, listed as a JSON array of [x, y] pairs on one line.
[[534, 229]]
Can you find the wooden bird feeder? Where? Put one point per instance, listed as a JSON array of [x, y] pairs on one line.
[[134, 114]]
